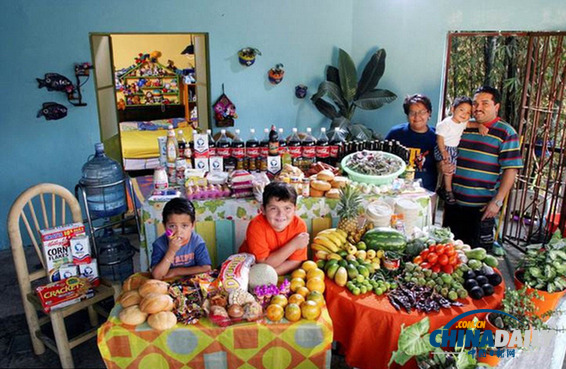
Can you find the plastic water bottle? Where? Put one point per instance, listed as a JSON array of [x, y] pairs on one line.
[[98, 173]]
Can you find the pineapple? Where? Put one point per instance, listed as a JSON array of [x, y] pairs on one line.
[[349, 209]]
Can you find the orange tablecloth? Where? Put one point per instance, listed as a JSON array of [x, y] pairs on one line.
[[368, 326]]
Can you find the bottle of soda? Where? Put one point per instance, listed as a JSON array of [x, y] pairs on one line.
[[223, 150], [322, 147], [294, 147], [263, 151], [181, 143], [283, 149], [238, 150], [211, 143], [252, 151], [273, 147], [188, 153], [309, 150], [336, 149]]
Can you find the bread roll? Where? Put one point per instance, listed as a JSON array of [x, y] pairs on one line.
[[333, 193], [132, 315], [339, 182], [134, 282], [154, 286], [316, 193], [325, 175], [130, 298], [162, 320], [321, 185], [154, 303]]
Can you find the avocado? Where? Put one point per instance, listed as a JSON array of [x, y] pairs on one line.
[[476, 293], [469, 275]]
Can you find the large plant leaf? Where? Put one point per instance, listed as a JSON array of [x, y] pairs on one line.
[[372, 73], [414, 340], [332, 90], [326, 108], [360, 132], [348, 75], [399, 357], [333, 75], [375, 99]]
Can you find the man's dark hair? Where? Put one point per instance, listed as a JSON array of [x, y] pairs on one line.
[[178, 205], [495, 94], [281, 191], [415, 99], [462, 100]]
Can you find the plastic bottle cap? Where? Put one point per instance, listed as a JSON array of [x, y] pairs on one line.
[[309, 129], [323, 129], [209, 131], [237, 131], [252, 130], [223, 131], [295, 130]]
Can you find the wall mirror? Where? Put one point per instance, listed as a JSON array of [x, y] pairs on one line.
[[529, 69], [145, 82]]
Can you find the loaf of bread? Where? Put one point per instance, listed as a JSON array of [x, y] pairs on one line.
[[339, 182], [155, 302], [134, 282], [132, 315], [333, 193], [320, 185], [316, 193], [325, 175], [162, 320], [130, 298], [154, 286]]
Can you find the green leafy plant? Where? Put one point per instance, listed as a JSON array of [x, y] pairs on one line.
[[520, 304], [341, 94]]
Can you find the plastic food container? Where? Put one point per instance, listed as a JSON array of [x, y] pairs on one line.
[[373, 179]]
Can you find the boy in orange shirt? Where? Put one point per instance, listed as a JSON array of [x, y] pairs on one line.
[[277, 236]]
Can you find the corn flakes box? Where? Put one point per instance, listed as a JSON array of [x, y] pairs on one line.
[[57, 247]]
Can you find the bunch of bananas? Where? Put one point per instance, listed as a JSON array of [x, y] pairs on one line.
[[330, 241]]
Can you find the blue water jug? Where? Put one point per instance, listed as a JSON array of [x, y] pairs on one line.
[[103, 182]]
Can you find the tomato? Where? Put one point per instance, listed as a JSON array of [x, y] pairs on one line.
[[453, 260], [432, 248], [440, 249], [432, 258], [425, 265], [448, 269], [443, 259], [436, 269], [449, 251], [424, 253], [418, 260]]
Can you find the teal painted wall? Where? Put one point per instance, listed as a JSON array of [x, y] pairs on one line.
[[38, 37]]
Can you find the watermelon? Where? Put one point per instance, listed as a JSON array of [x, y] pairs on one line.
[[386, 239]]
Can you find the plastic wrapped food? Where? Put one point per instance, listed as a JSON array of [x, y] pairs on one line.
[[234, 273]]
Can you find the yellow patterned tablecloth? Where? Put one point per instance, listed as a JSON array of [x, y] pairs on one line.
[[303, 344]]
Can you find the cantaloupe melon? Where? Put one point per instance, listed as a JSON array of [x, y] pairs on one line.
[[260, 275]]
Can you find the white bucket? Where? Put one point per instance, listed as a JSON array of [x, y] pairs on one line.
[[379, 213], [411, 214]]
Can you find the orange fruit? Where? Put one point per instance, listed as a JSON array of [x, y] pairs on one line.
[[274, 312], [308, 265], [315, 273], [317, 297], [279, 300], [310, 310], [299, 273], [293, 312], [296, 299], [303, 291], [316, 284], [296, 283]]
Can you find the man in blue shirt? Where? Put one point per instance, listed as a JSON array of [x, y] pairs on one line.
[[419, 138]]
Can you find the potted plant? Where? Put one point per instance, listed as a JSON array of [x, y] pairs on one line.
[[246, 56], [342, 93], [276, 73], [543, 268]]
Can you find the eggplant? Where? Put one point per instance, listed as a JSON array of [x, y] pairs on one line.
[[494, 279], [487, 289], [482, 279], [469, 274], [470, 283], [477, 293]]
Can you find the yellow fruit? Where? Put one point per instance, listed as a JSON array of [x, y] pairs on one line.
[[308, 265], [299, 273], [371, 254], [334, 256], [279, 300], [361, 254], [317, 297], [310, 310], [316, 284], [274, 312], [293, 312], [296, 283], [380, 254], [342, 232], [321, 254], [303, 291], [341, 277], [315, 273], [296, 299], [352, 250]]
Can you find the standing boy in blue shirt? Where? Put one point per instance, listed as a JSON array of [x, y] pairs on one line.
[[180, 251]]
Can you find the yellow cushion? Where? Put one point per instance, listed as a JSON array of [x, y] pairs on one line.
[[144, 144]]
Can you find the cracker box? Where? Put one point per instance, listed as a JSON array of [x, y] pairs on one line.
[[63, 293], [56, 247], [80, 250], [90, 271]]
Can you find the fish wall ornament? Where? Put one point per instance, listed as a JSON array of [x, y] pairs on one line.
[[56, 82], [52, 111]]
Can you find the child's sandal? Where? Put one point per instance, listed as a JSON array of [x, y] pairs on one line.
[[450, 199]]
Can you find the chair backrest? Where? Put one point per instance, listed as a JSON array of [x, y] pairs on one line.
[[42, 206]]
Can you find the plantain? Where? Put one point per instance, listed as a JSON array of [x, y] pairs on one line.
[[324, 240]]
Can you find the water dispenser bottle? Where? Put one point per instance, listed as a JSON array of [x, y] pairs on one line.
[[103, 182]]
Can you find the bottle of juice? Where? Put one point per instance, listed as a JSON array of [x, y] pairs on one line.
[[264, 151]]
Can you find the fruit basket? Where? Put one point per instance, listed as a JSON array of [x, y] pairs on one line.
[[374, 179]]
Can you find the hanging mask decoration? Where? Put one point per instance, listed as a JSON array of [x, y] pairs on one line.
[[275, 74], [52, 111], [224, 111], [301, 91]]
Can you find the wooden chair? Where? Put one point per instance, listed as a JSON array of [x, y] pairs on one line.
[[51, 201]]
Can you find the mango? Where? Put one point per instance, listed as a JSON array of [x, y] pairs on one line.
[[341, 277]]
